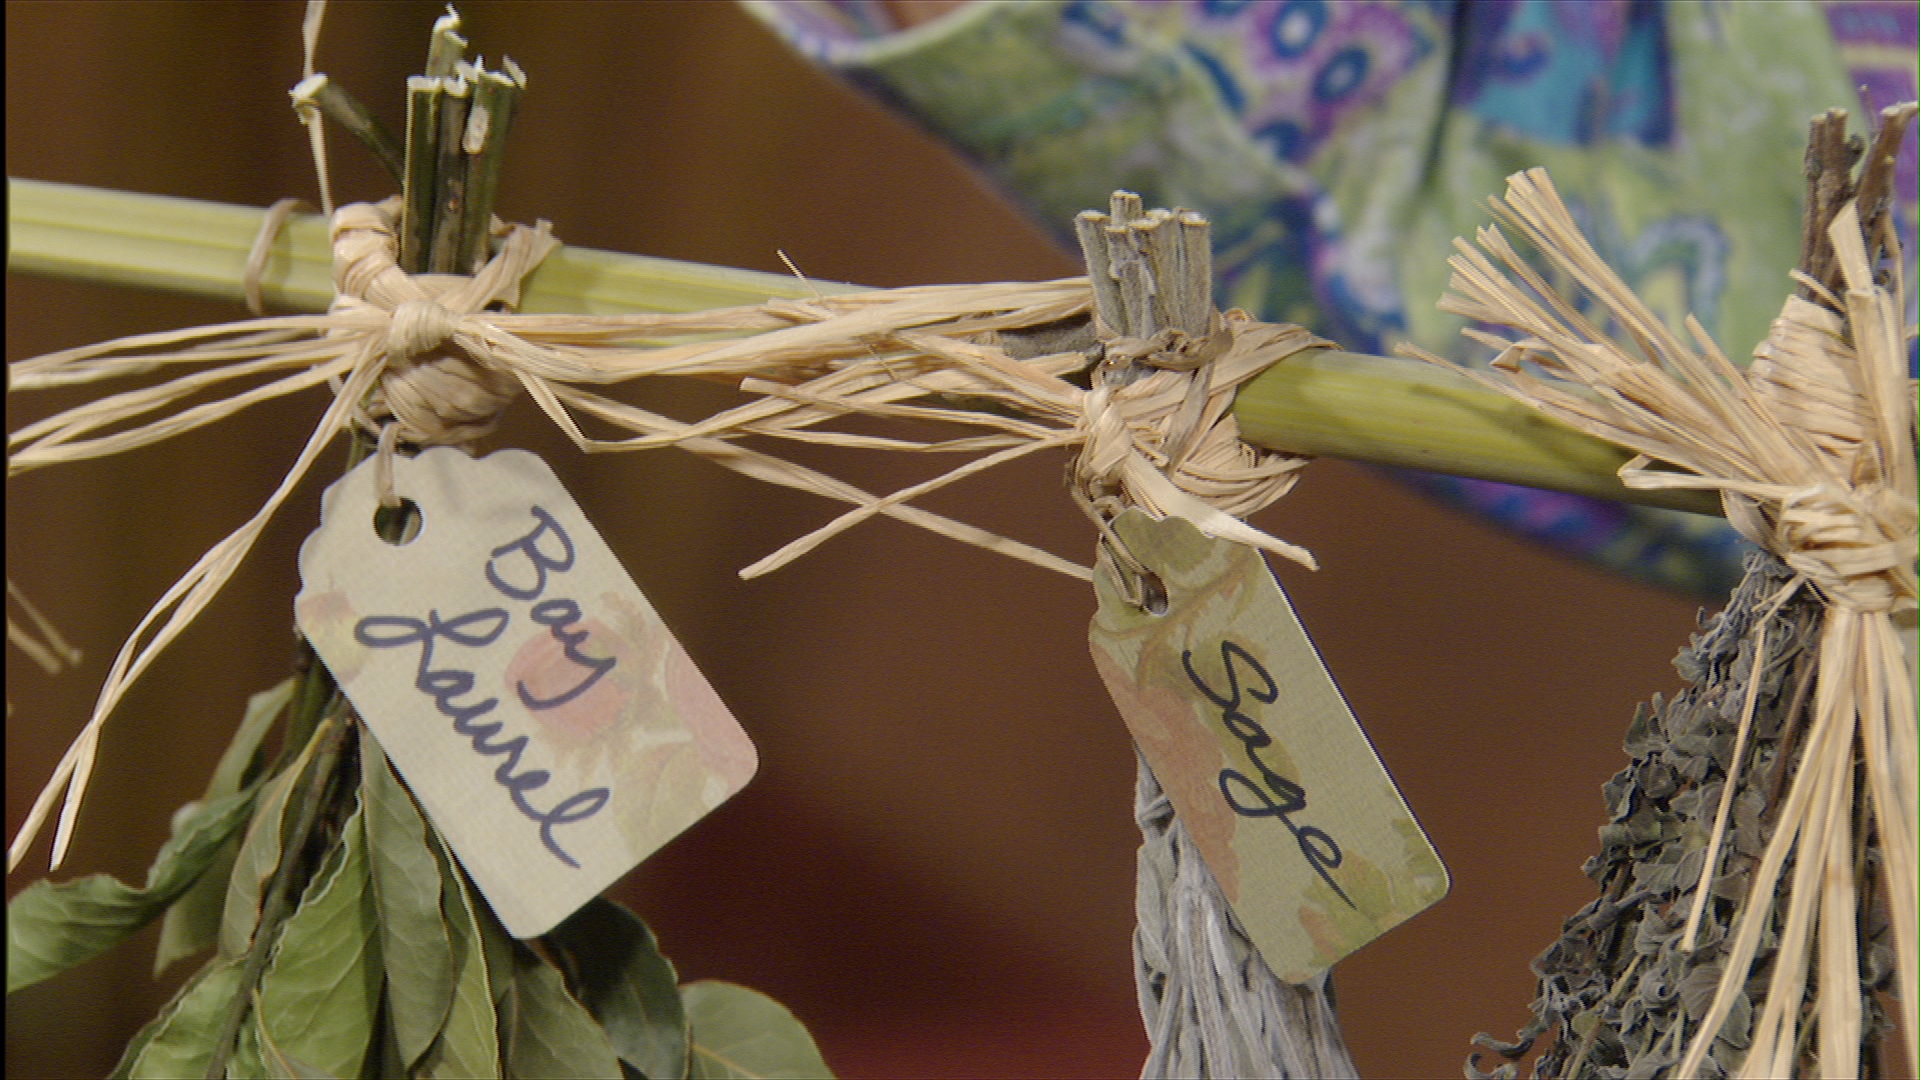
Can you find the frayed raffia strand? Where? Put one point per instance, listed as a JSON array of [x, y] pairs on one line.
[[1813, 453], [43, 643], [426, 356]]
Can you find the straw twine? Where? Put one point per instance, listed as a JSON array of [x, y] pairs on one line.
[[1813, 451], [432, 360]]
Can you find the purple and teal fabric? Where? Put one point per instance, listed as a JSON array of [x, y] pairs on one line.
[[1339, 146]]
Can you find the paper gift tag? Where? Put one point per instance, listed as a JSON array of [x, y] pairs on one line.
[[549, 723], [1259, 754]]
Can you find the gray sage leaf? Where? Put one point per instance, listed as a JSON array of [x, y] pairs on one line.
[[407, 887], [628, 986], [742, 1034]]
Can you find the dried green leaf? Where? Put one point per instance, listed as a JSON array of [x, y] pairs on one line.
[[50, 927], [246, 1061], [407, 886], [183, 1043], [554, 1035], [259, 857], [320, 993], [628, 987], [138, 1044], [742, 1034], [498, 947], [193, 922], [468, 1044], [238, 760], [272, 1060]]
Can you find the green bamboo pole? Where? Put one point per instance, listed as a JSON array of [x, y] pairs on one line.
[[1375, 409]]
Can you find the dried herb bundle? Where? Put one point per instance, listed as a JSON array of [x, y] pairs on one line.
[[347, 940], [1620, 989], [1759, 942]]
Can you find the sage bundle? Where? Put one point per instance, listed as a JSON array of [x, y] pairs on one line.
[[1734, 966]]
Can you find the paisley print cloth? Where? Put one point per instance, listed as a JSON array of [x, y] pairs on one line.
[[1339, 145]]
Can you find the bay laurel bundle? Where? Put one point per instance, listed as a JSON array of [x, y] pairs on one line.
[[1813, 452], [387, 962]]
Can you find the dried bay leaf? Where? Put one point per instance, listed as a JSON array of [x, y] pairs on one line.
[[259, 1055], [241, 754], [407, 889], [742, 1034], [247, 1060], [193, 922], [467, 1045], [138, 1044], [259, 856], [628, 987], [50, 927], [554, 1035], [320, 993], [182, 1044]]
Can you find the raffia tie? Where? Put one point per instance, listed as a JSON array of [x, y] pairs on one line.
[[429, 360], [1855, 541], [448, 370], [1160, 434]]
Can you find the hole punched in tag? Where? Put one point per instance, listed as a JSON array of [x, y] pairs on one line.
[[396, 520], [1145, 590], [398, 525]]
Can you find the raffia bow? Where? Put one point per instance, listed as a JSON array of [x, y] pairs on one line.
[[439, 356], [1813, 452]]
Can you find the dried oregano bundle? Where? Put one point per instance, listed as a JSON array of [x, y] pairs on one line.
[[1759, 867], [1620, 988]]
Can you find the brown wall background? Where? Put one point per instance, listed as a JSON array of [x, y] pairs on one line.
[[934, 867]]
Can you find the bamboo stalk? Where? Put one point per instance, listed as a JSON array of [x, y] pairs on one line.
[[1373, 409]]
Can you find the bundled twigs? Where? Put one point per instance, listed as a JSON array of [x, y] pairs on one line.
[[1813, 452]]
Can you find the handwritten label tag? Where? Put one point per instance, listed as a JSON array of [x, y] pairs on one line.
[[1283, 794], [549, 723]]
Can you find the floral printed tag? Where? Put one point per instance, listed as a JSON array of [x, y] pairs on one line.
[[548, 722], [1252, 742]]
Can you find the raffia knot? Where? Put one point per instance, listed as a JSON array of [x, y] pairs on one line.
[[1166, 441], [418, 326], [1858, 547], [448, 372]]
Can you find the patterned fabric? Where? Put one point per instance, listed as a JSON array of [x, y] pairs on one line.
[[1338, 147]]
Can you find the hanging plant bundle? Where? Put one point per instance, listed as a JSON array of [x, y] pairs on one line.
[[1757, 872], [348, 936]]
